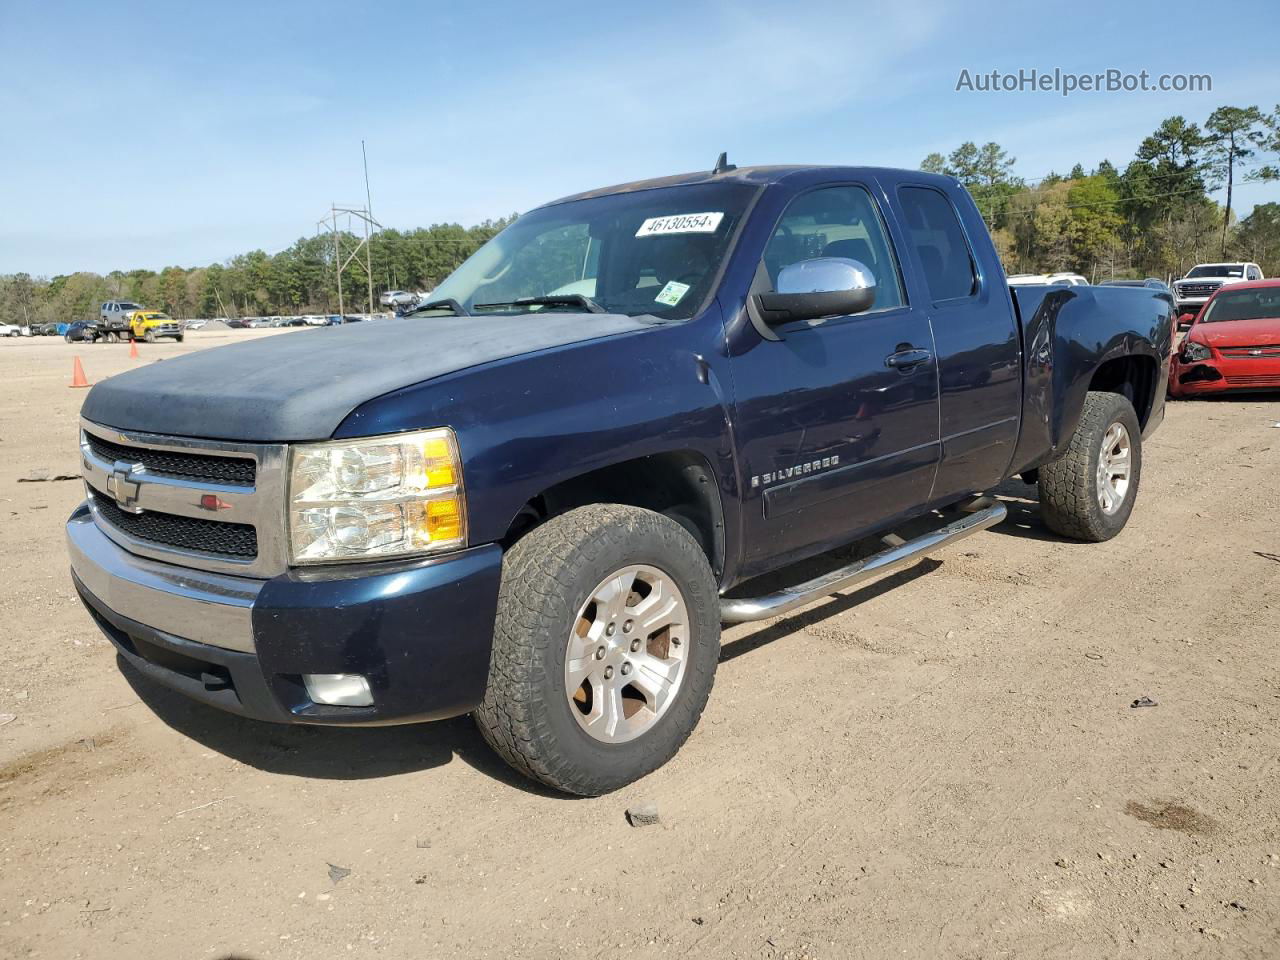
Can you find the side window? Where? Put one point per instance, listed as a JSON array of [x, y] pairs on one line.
[[1255, 273], [934, 230], [836, 222]]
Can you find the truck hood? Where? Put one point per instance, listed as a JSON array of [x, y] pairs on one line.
[[1239, 333], [301, 385]]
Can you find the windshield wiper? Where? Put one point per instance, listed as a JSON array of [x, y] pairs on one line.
[[448, 303], [552, 300]]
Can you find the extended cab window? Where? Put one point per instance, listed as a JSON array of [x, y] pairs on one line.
[[836, 222], [940, 244]]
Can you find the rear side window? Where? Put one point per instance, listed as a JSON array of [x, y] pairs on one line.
[[836, 222], [935, 232]]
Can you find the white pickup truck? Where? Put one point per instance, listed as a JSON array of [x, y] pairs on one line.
[[1203, 280]]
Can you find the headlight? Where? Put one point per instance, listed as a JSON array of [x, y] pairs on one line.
[[377, 498], [1192, 351]]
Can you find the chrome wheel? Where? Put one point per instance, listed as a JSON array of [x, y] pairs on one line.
[[626, 654], [1115, 464]]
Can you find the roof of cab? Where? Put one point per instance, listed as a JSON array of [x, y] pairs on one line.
[[753, 176]]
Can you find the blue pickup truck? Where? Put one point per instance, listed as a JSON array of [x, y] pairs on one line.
[[538, 497]]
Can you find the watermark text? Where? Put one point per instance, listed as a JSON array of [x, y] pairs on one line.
[[1065, 83]]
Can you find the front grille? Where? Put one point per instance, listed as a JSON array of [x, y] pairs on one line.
[[1197, 289], [1260, 352], [185, 466], [236, 540]]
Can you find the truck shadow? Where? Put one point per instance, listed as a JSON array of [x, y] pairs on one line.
[[831, 607], [326, 753], [1022, 500], [1023, 520]]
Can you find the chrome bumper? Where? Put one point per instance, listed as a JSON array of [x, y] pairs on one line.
[[211, 608]]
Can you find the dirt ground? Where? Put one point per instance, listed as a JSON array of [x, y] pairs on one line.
[[943, 764]]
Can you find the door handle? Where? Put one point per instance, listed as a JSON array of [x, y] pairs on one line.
[[906, 359]]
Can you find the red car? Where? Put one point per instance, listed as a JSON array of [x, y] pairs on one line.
[[1234, 343]]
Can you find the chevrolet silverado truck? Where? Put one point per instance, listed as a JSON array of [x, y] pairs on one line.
[[537, 498]]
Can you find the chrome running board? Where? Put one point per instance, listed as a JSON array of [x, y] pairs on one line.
[[899, 554]]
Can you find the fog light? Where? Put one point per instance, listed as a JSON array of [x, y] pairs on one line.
[[338, 689]]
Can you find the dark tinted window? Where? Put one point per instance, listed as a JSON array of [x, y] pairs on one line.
[[940, 244], [836, 222]]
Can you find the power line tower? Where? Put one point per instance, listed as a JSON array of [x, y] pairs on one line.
[[330, 222]]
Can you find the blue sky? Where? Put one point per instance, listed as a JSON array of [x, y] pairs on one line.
[[149, 134]]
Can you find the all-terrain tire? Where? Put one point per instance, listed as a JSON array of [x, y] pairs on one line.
[[547, 577], [1070, 485]]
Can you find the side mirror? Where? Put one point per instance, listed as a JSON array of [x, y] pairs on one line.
[[822, 287]]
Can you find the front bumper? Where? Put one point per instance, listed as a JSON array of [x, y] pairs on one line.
[[420, 631], [1221, 374]]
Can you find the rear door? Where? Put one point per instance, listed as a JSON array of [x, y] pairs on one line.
[[958, 283], [838, 418]]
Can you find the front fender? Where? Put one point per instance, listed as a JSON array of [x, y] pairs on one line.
[[528, 423]]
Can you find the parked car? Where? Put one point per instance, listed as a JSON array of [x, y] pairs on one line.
[[1234, 343], [195, 324], [152, 325], [10, 330], [257, 323], [1051, 279], [1151, 283], [235, 323], [1194, 290], [83, 332], [333, 320], [544, 513], [48, 330], [113, 320]]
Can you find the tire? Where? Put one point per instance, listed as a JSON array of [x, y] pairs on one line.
[[149, 336], [549, 581], [67, 337], [178, 338], [1075, 500]]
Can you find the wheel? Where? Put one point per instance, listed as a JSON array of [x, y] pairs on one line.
[[604, 650], [113, 338], [67, 337], [149, 336], [178, 338], [1089, 492]]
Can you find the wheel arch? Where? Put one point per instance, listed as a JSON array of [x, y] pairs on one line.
[[1133, 376], [681, 484]]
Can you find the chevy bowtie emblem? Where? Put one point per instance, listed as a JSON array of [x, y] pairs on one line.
[[123, 486]]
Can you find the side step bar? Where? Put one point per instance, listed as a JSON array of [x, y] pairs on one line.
[[899, 554]]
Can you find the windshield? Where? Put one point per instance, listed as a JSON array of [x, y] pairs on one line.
[[649, 252], [1217, 270], [1244, 305]]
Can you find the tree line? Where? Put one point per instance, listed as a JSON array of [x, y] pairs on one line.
[[1154, 217], [299, 279]]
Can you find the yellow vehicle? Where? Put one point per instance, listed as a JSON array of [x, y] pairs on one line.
[[151, 325]]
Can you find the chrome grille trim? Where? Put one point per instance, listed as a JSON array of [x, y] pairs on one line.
[[262, 505]]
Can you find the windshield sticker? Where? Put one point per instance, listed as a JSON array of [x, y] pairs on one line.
[[672, 293], [680, 223]]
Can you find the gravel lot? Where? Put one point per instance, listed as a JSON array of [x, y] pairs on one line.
[[943, 764]]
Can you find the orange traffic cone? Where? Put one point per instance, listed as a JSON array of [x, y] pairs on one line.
[[77, 375], [133, 349]]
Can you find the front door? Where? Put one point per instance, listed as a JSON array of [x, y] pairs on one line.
[[837, 421]]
